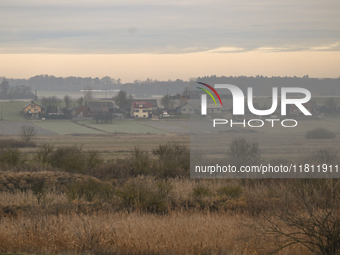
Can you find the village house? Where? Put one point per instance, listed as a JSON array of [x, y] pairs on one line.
[[148, 100], [141, 109], [185, 108], [32, 110], [82, 112], [213, 109]]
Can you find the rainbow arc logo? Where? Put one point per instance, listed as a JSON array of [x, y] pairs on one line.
[[209, 93], [204, 97]]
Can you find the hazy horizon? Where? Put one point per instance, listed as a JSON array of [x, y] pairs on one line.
[[169, 39]]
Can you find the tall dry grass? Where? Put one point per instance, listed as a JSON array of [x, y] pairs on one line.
[[124, 233]]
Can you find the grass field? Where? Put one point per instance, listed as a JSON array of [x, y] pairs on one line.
[[66, 127], [127, 126], [12, 110]]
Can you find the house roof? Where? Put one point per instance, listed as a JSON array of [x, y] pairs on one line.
[[213, 106], [108, 104], [184, 104], [141, 104], [153, 101], [96, 109], [33, 103]]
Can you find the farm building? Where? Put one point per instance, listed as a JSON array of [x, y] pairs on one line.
[[82, 112], [148, 100], [185, 108], [141, 109], [212, 108], [32, 110]]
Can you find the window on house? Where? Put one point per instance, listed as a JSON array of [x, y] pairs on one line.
[[136, 116], [32, 106], [184, 110], [136, 110], [144, 116], [145, 110]]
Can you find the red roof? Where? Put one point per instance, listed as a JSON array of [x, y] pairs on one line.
[[141, 104]]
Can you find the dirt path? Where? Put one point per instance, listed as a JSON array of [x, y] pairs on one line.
[[76, 122]]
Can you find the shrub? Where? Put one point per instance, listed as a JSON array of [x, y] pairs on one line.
[[230, 191], [173, 160], [93, 159], [144, 194], [141, 162], [68, 158], [320, 133], [89, 190], [120, 169], [324, 156], [243, 151], [10, 157], [201, 191], [308, 213], [38, 188], [43, 153]]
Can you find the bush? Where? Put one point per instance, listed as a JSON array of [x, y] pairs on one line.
[[141, 162], [173, 160], [306, 213], [68, 158], [232, 192], [201, 191], [324, 156], [89, 190], [120, 169], [43, 153], [144, 194], [93, 159], [320, 133], [242, 151], [10, 157], [38, 188]]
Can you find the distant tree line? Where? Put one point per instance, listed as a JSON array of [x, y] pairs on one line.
[[262, 84], [16, 92]]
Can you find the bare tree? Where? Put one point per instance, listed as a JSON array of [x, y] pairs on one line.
[[88, 96], [80, 101], [167, 102], [67, 100], [122, 100], [27, 133], [304, 212]]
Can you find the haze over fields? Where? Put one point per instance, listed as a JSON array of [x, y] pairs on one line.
[[169, 39]]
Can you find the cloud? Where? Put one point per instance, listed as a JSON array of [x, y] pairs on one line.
[[135, 26]]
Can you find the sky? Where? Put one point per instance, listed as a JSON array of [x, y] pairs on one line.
[[139, 39]]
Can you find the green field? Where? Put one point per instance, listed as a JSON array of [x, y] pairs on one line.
[[12, 110], [66, 127], [129, 126]]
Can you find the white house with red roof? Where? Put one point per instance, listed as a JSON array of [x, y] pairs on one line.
[[141, 109]]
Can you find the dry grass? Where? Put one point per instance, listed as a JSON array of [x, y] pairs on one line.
[[58, 225], [114, 233], [22, 180]]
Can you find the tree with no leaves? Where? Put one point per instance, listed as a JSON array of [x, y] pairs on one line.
[[27, 133], [67, 100]]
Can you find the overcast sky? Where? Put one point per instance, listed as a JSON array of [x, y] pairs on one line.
[[152, 27]]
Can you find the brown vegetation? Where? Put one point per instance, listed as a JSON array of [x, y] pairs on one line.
[[67, 200]]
